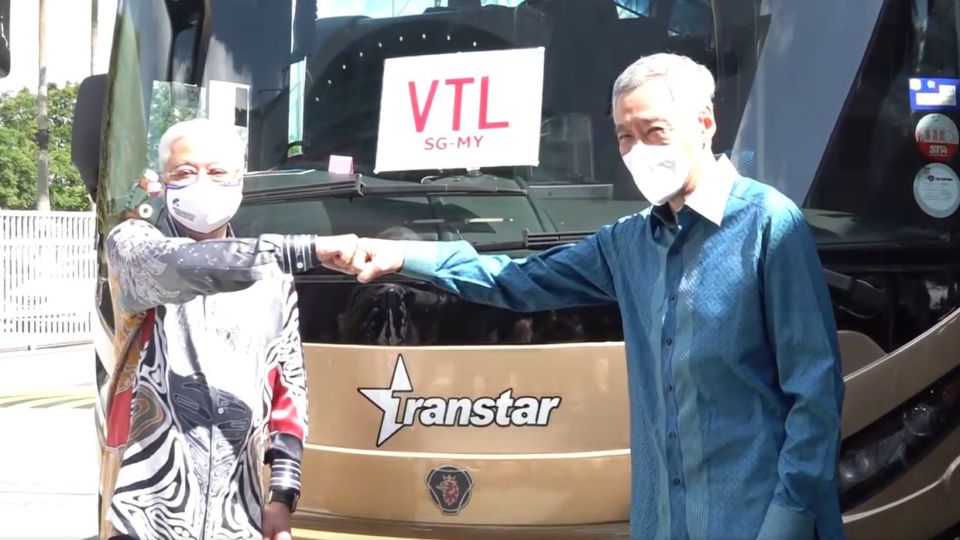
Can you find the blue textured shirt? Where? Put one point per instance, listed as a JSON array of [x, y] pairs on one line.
[[732, 357]]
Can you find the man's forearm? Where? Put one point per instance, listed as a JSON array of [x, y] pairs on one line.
[[567, 276], [154, 269]]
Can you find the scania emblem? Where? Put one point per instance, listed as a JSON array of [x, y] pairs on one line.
[[450, 487]]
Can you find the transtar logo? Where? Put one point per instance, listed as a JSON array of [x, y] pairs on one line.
[[504, 410]]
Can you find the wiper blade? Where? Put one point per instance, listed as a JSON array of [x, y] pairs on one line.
[[349, 189], [531, 241], [438, 189], [328, 190]]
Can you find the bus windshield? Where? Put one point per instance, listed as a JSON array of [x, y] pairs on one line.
[[807, 100]]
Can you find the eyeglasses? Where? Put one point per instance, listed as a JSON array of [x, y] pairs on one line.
[[187, 175]]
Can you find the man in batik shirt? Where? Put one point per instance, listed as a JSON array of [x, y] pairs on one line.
[[211, 383]]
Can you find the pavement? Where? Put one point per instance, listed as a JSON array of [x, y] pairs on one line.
[[49, 462]]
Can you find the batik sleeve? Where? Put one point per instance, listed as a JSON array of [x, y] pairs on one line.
[[154, 269], [288, 411]]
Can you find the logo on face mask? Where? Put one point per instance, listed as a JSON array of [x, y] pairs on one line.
[[503, 410]]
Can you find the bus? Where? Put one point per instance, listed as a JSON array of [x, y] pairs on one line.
[[849, 108]]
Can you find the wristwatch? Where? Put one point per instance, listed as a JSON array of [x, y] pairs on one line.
[[287, 496]]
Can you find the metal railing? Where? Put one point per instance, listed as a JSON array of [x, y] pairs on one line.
[[47, 277]]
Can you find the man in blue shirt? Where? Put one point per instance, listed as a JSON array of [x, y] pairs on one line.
[[734, 370]]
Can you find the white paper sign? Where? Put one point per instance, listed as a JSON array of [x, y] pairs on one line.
[[461, 110]]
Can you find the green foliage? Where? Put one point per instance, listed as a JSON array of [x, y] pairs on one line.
[[18, 151]]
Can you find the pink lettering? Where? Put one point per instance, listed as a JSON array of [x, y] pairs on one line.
[[484, 102], [458, 98], [420, 116]]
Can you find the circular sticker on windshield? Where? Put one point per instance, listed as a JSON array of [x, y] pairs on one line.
[[937, 137], [937, 190]]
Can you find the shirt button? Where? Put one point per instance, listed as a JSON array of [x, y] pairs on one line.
[[669, 388], [676, 481], [669, 342], [673, 296], [672, 435], [220, 410]]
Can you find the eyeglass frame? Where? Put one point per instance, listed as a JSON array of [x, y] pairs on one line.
[[235, 175]]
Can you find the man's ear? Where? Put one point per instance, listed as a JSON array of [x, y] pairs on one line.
[[708, 124]]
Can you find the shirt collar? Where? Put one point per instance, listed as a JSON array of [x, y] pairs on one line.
[[709, 198]]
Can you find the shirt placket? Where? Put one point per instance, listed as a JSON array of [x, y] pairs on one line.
[[676, 488], [209, 531]]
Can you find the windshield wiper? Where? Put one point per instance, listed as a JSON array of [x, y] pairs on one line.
[[531, 241], [349, 189]]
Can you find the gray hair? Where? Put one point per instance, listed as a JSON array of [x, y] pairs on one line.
[[689, 83], [203, 128]]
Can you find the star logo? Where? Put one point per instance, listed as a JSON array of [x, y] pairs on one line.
[[387, 402]]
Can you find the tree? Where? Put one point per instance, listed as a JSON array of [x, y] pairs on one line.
[[18, 151]]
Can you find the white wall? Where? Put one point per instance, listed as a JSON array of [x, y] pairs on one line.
[[68, 41]]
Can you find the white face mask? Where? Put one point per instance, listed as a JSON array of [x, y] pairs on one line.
[[203, 206], [659, 171]]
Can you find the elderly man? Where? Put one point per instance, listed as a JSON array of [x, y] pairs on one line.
[[734, 372], [215, 367]]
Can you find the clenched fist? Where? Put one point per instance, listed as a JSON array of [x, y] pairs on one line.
[[336, 252], [374, 258]]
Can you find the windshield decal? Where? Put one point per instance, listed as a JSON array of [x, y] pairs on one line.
[[461, 110], [503, 410], [936, 189], [933, 94], [937, 137], [229, 103]]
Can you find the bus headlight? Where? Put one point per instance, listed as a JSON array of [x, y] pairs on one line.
[[876, 456]]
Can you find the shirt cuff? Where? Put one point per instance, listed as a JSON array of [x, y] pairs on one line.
[[420, 260], [285, 474], [295, 252], [284, 456], [782, 523]]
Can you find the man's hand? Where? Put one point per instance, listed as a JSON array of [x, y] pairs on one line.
[[336, 252], [375, 258], [276, 522]]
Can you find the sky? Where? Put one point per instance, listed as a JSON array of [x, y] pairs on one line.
[[68, 42]]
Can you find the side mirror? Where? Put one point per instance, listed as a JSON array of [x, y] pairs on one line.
[[88, 130], [4, 38]]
